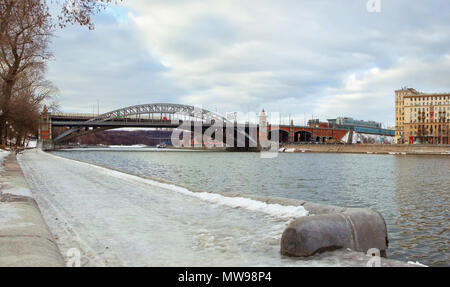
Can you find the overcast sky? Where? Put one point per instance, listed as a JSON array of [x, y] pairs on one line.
[[300, 57]]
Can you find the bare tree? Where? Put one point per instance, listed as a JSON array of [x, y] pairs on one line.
[[26, 28], [30, 93], [25, 34], [81, 11]]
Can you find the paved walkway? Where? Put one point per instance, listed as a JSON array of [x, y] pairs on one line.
[[25, 239]]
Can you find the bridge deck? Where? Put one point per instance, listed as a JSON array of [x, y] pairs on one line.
[[81, 120]]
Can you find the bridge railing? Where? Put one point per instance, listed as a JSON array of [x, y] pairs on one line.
[[375, 131], [73, 115], [91, 116]]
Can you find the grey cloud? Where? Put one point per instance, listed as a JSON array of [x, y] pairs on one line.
[[294, 56], [109, 65]]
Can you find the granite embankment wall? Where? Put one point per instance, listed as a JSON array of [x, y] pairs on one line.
[[25, 240], [373, 148]]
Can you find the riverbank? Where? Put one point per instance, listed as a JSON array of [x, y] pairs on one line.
[[25, 240], [371, 149], [118, 219]]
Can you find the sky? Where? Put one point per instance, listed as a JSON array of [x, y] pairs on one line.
[[301, 58]]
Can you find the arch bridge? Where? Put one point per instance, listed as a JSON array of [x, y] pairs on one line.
[[158, 115]]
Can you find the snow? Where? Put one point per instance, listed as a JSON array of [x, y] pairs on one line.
[[10, 217], [128, 146], [7, 187], [9, 212], [3, 154], [277, 210], [32, 144], [17, 191], [286, 150], [417, 263], [397, 153], [117, 219]]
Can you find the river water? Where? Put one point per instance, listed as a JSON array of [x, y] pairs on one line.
[[412, 192]]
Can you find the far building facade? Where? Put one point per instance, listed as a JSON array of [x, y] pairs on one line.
[[350, 122], [421, 118]]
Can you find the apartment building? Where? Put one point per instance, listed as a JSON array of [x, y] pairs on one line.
[[421, 118]]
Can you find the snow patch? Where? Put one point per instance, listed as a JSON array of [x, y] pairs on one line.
[[128, 146], [3, 154], [286, 150], [19, 191], [8, 213], [16, 225], [32, 144], [417, 263], [275, 210]]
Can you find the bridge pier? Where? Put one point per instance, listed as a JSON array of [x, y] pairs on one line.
[[291, 131], [350, 137], [45, 140]]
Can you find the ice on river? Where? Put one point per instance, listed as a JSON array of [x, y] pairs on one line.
[[117, 219]]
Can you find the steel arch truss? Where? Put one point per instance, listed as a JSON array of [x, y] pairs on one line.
[[161, 108], [176, 111]]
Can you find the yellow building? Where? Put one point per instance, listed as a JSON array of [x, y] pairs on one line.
[[421, 118]]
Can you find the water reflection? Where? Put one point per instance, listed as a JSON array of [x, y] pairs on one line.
[[422, 196]]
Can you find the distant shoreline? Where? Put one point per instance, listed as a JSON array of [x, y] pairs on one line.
[[393, 149]]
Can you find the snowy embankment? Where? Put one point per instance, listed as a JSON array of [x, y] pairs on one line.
[[3, 154], [25, 238], [130, 148], [117, 219], [276, 210]]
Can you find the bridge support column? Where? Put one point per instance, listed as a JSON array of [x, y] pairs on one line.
[[350, 137], [263, 131], [291, 131], [45, 140]]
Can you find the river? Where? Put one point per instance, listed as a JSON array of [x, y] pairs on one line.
[[412, 192]]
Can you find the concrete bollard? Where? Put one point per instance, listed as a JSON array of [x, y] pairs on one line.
[[357, 229]]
